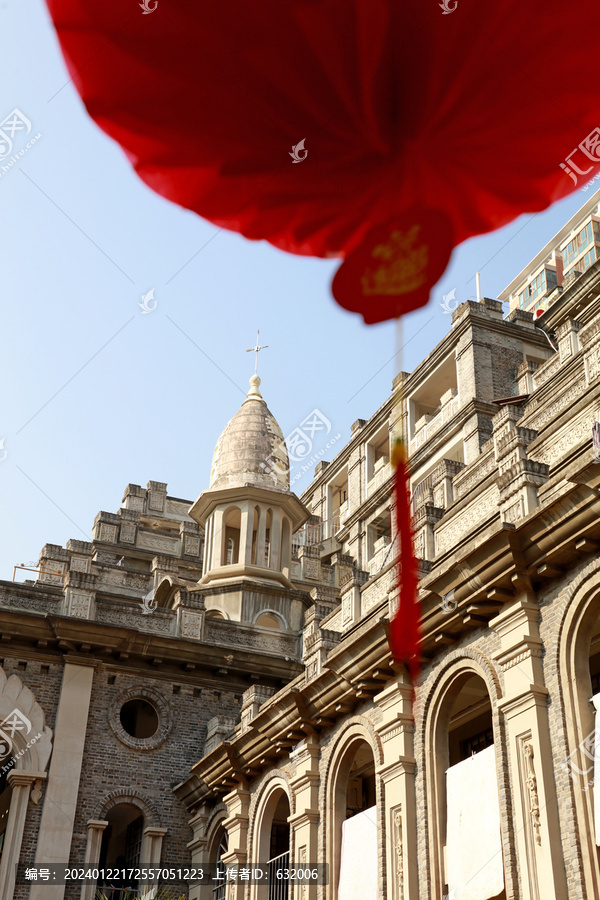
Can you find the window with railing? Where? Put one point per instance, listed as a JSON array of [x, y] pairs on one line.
[[220, 889], [278, 887]]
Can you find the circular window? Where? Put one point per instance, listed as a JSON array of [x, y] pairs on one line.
[[139, 718]]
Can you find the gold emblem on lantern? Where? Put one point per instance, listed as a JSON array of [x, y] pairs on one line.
[[403, 266]]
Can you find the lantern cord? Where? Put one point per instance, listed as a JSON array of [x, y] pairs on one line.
[[405, 643]]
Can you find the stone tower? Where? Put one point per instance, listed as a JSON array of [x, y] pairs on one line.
[[249, 515]]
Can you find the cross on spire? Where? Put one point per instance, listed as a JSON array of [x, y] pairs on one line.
[[256, 350]]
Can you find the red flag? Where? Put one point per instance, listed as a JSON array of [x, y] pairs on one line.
[[405, 634]]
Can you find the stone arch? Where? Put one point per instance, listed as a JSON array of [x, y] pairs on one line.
[[434, 713], [571, 657], [214, 829], [263, 806], [271, 612], [277, 775], [166, 591], [132, 798], [356, 730]]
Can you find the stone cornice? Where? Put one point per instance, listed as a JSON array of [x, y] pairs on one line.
[[115, 644]]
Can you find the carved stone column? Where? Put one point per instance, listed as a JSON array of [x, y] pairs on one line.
[[398, 774], [95, 830], [305, 822], [20, 782], [524, 706]]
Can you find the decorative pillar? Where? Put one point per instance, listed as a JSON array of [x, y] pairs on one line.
[[20, 781], [524, 706], [217, 539], [95, 830], [60, 801], [198, 848], [304, 823], [261, 537], [275, 539], [236, 823], [207, 546], [152, 840], [247, 527], [396, 731]]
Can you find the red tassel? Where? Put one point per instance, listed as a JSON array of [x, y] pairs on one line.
[[405, 634]]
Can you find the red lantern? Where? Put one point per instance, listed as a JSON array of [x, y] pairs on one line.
[[379, 131], [465, 112]]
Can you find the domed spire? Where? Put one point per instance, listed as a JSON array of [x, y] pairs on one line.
[[251, 449]]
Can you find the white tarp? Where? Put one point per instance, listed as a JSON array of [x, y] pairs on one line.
[[596, 702], [475, 868], [358, 861]]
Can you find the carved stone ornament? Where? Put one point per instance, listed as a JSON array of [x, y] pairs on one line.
[[534, 803]]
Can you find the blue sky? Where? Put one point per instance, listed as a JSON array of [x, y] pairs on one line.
[[96, 394]]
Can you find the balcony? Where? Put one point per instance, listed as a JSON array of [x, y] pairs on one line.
[[382, 554], [278, 887], [427, 425], [382, 471]]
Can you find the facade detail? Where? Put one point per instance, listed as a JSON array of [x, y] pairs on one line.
[[210, 681]]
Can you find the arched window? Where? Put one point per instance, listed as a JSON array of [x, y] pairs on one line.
[[267, 559], [464, 793], [221, 849], [579, 668], [122, 844], [232, 523], [255, 519], [267, 620], [273, 844], [353, 840], [230, 550]]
